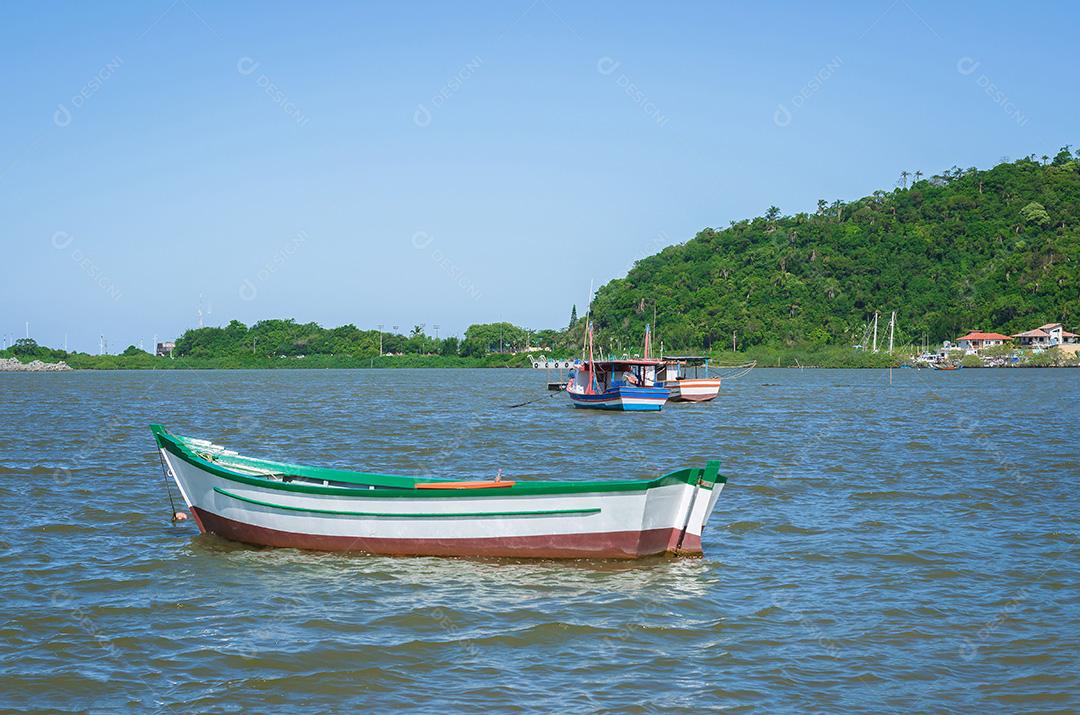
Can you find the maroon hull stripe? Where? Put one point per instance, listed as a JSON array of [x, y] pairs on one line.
[[609, 545]]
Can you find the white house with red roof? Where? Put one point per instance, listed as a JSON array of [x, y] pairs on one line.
[[1049, 336], [975, 341]]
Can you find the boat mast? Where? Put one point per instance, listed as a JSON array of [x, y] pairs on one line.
[[588, 321], [875, 330], [892, 328], [654, 325], [591, 364]]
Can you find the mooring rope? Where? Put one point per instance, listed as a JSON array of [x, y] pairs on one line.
[[522, 404], [165, 475], [738, 370]]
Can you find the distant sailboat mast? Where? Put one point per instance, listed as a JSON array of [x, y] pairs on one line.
[[588, 321], [589, 390]]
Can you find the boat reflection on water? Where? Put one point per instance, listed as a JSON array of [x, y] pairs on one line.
[[479, 580]]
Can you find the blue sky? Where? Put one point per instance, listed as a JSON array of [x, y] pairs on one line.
[[455, 163]]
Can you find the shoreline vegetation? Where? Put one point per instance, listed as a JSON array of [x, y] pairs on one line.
[[963, 250], [823, 357]]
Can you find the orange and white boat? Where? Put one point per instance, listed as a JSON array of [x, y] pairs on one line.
[[687, 379]]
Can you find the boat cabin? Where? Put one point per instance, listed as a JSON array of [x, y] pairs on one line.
[[618, 373], [681, 367]]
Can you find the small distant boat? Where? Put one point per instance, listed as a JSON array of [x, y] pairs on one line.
[[628, 385], [946, 366], [624, 384], [687, 378], [256, 501]]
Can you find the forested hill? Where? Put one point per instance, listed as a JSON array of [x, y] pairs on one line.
[[967, 249]]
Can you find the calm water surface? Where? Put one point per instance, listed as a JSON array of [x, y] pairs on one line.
[[883, 547]]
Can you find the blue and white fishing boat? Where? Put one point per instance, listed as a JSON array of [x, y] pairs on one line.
[[617, 385], [627, 385]]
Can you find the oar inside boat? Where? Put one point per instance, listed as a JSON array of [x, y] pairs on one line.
[[463, 485]]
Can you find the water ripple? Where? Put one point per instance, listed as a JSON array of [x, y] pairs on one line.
[[886, 547]]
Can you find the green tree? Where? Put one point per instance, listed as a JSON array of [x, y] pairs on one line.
[[449, 346], [1035, 212], [496, 337], [25, 346]]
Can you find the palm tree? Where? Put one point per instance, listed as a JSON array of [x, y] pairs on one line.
[[903, 177], [771, 215], [918, 175], [838, 207]]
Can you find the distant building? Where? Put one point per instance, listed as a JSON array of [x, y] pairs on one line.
[[1049, 336], [976, 341], [165, 349]]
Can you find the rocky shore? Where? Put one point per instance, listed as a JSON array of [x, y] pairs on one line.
[[13, 365]]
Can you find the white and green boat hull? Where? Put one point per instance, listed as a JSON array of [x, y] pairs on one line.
[[275, 504]]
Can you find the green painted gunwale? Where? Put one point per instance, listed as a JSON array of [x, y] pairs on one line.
[[404, 487]]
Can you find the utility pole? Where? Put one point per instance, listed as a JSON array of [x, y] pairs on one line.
[[875, 330], [380, 339], [436, 326]]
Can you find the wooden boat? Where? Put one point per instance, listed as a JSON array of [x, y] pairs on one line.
[[267, 503], [687, 378], [946, 366], [628, 385]]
